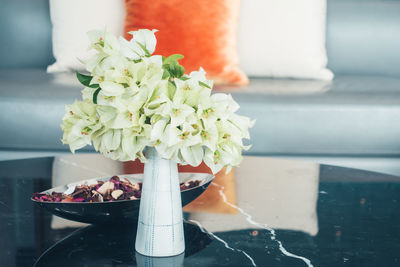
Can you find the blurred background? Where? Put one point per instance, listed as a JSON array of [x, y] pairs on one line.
[[323, 76]]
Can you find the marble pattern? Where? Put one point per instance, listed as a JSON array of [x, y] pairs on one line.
[[357, 214], [305, 171]]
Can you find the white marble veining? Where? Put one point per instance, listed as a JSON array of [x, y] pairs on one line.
[[84, 167], [223, 241], [264, 226]]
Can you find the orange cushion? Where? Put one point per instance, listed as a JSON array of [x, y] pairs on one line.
[[132, 167], [204, 31], [211, 200]]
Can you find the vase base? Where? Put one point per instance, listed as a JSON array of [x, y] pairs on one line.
[[160, 240], [172, 261], [160, 256]]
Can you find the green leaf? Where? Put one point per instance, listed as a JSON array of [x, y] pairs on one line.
[[181, 71], [96, 85], [183, 78], [144, 49], [166, 74], [171, 65], [95, 94], [175, 69], [204, 85], [172, 68], [84, 79], [172, 58], [171, 89]]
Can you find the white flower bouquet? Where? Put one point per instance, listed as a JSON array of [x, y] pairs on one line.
[[133, 99]]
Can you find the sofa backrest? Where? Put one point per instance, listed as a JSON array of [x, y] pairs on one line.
[[363, 36], [25, 31]]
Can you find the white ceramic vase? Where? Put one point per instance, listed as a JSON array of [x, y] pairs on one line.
[[173, 261], [160, 226]]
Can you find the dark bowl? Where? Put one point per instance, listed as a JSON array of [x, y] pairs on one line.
[[122, 211]]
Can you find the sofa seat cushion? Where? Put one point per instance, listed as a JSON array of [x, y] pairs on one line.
[[32, 106], [353, 115]]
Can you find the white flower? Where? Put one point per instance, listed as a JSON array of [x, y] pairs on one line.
[[92, 62], [243, 123], [199, 76], [87, 93], [78, 124], [145, 38], [192, 155], [182, 136], [224, 104], [134, 142], [103, 41], [227, 132], [170, 140], [178, 113], [209, 135], [111, 88], [191, 93], [128, 105], [110, 140], [211, 159], [155, 61], [111, 68], [158, 129], [142, 44]]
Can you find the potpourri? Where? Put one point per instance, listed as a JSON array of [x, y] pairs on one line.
[[114, 189]]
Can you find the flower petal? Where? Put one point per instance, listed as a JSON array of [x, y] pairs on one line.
[[111, 88], [193, 154]]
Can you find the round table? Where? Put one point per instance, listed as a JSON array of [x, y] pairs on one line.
[[267, 212]]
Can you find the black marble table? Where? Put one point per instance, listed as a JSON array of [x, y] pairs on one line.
[[271, 212]]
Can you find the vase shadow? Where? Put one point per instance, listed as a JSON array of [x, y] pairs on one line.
[[107, 245]]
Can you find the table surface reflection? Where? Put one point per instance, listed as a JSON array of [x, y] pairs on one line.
[[270, 212]]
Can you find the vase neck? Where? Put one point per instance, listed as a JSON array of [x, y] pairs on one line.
[[151, 153]]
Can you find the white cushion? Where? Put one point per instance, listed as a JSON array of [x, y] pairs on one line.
[[283, 38], [72, 19]]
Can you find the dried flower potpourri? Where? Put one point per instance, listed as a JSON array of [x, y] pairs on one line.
[[133, 99], [114, 189]]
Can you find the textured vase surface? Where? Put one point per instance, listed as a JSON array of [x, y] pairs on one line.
[[160, 225], [172, 261]]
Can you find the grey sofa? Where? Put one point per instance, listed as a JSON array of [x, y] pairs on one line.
[[352, 121]]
